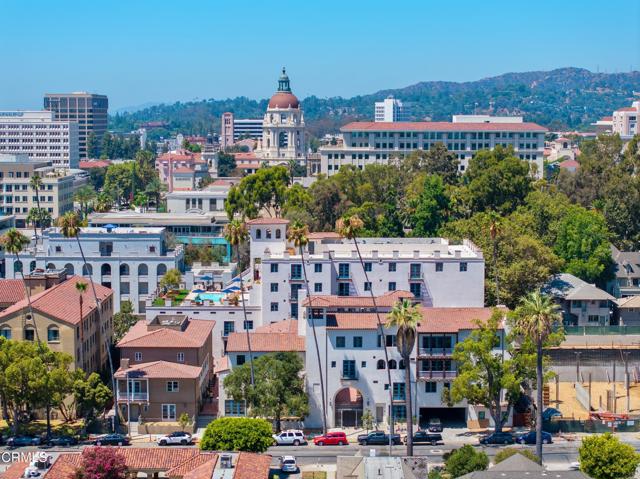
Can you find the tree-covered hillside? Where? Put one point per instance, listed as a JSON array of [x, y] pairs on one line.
[[558, 99]]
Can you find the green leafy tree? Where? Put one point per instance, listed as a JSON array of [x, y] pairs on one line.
[[226, 164], [507, 452], [263, 191], [39, 217], [430, 208], [237, 434], [605, 457], [119, 181], [184, 420], [91, 395], [171, 279], [437, 160], [123, 320], [85, 196], [92, 146], [367, 420], [465, 460], [278, 390]]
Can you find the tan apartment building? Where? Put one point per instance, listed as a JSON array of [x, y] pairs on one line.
[[165, 368], [16, 195], [62, 318]]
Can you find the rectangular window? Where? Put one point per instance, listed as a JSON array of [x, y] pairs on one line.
[[180, 357], [53, 335], [357, 341], [340, 341], [391, 340], [296, 271], [248, 325], [333, 364], [240, 359], [343, 271], [399, 412], [274, 307], [415, 271], [399, 392], [416, 289], [274, 287], [317, 287], [392, 285], [430, 387], [317, 268], [392, 267], [343, 289], [172, 386], [367, 285], [168, 412], [368, 267], [234, 408], [137, 356], [439, 267], [463, 266], [349, 369], [274, 267], [229, 327]]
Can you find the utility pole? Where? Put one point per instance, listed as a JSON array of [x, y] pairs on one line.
[[615, 398], [625, 357], [578, 354]]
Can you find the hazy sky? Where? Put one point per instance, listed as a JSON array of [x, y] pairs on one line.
[[139, 51]]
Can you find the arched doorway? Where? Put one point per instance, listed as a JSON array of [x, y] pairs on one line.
[[348, 408]]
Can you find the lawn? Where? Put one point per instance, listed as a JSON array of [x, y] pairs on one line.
[[176, 297], [39, 427]]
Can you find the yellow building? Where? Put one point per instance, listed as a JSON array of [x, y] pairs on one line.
[[62, 318]]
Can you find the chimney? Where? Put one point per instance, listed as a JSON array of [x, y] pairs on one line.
[[124, 363], [374, 254], [436, 253], [458, 253], [416, 254]]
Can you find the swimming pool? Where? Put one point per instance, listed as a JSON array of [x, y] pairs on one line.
[[215, 297]]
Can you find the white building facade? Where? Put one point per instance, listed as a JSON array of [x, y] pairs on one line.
[[389, 110], [130, 261], [40, 136], [625, 120]]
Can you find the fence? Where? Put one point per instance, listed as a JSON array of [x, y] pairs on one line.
[[600, 330], [590, 426], [582, 395]]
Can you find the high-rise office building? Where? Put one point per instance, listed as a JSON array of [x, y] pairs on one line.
[[89, 110], [390, 110]]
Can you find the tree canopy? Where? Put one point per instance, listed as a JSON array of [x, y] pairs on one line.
[[237, 434]]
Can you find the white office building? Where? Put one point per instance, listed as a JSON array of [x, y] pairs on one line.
[[391, 109], [365, 143], [40, 136], [209, 199], [130, 261]]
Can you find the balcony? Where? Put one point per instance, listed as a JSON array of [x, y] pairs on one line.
[[344, 276], [349, 376], [435, 352], [437, 375], [133, 396], [296, 277], [416, 276]]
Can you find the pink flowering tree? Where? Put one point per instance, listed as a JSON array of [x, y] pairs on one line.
[[101, 463]]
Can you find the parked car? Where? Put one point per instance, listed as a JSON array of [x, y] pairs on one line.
[[111, 440], [530, 438], [63, 441], [288, 464], [425, 437], [497, 438], [378, 438], [337, 438], [17, 441], [550, 413], [178, 437], [435, 425], [289, 438]]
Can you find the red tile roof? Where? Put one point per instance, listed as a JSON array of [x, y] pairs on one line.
[[439, 126], [11, 291], [355, 321], [195, 467], [161, 370], [14, 471], [62, 301], [182, 155], [265, 342], [252, 466], [65, 466], [88, 164], [221, 364], [452, 320], [323, 235], [386, 300], [245, 156], [627, 108], [195, 335], [286, 326], [183, 169], [268, 221], [569, 164]]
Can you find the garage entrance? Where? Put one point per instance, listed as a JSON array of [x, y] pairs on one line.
[[449, 416], [348, 407]]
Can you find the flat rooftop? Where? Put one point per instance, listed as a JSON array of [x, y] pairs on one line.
[[93, 230], [157, 219]]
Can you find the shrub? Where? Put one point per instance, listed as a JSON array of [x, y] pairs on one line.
[[605, 457], [465, 460], [510, 451], [237, 434], [101, 463]]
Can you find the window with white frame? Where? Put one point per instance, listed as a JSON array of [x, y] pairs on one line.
[[168, 412], [180, 357], [137, 356], [172, 387]]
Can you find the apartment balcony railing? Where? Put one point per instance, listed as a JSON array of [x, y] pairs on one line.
[[344, 276], [133, 396], [296, 277], [437, 375], [600, 330], [349, 376], [435, 351], [416, 276]]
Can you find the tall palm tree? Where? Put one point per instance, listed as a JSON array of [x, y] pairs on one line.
[[85, 196], [405, 316], [32, 218], [298, 234], [495, 229], [536, 317], [235, 232], [349, 227], [36, 185], [81, 288], [70, 226]]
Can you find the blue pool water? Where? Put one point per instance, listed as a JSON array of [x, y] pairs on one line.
[[215, 297]]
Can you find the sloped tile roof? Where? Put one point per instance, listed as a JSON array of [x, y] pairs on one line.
[[252, 466], [221, 364], [268, 221], [160, 370], [355, 321], [570, 287], [629, 302], [286, 326], [65, 466], [452, 320], [15, 470], [195, 467], [195, 335], [323, 235], [11, 291], [386, 300], [62, 301], [265, 342]]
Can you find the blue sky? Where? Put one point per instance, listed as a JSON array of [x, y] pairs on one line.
[[139, 51]]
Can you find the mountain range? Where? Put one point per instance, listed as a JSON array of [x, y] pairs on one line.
[[558, 99]]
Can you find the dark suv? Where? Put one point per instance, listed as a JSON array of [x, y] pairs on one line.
[[497, 438], [424, 437]]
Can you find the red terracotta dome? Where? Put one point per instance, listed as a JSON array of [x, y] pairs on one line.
[[283, 99]]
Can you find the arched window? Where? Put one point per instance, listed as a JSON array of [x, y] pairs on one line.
[[51, 266], [143, 270], [258, 233], [70, 269], [53, 334], [124, 269], [87, 270], [401, 364], [5, 332], [278, 234], [162, 270], [380, 364], [268, 234], [32, 266], [105, 269], [29, 333], [393, 364], [17, 267]]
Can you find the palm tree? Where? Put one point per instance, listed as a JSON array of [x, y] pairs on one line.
[[298, 235], [84, 196], [537, 316], [405, 316], [495, 229], [32, 218], [235, 232], [70, 226], [36, 185], [81, 288], [155, 188], [349, 227]]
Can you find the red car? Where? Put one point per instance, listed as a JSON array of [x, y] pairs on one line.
[[331, 439]]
